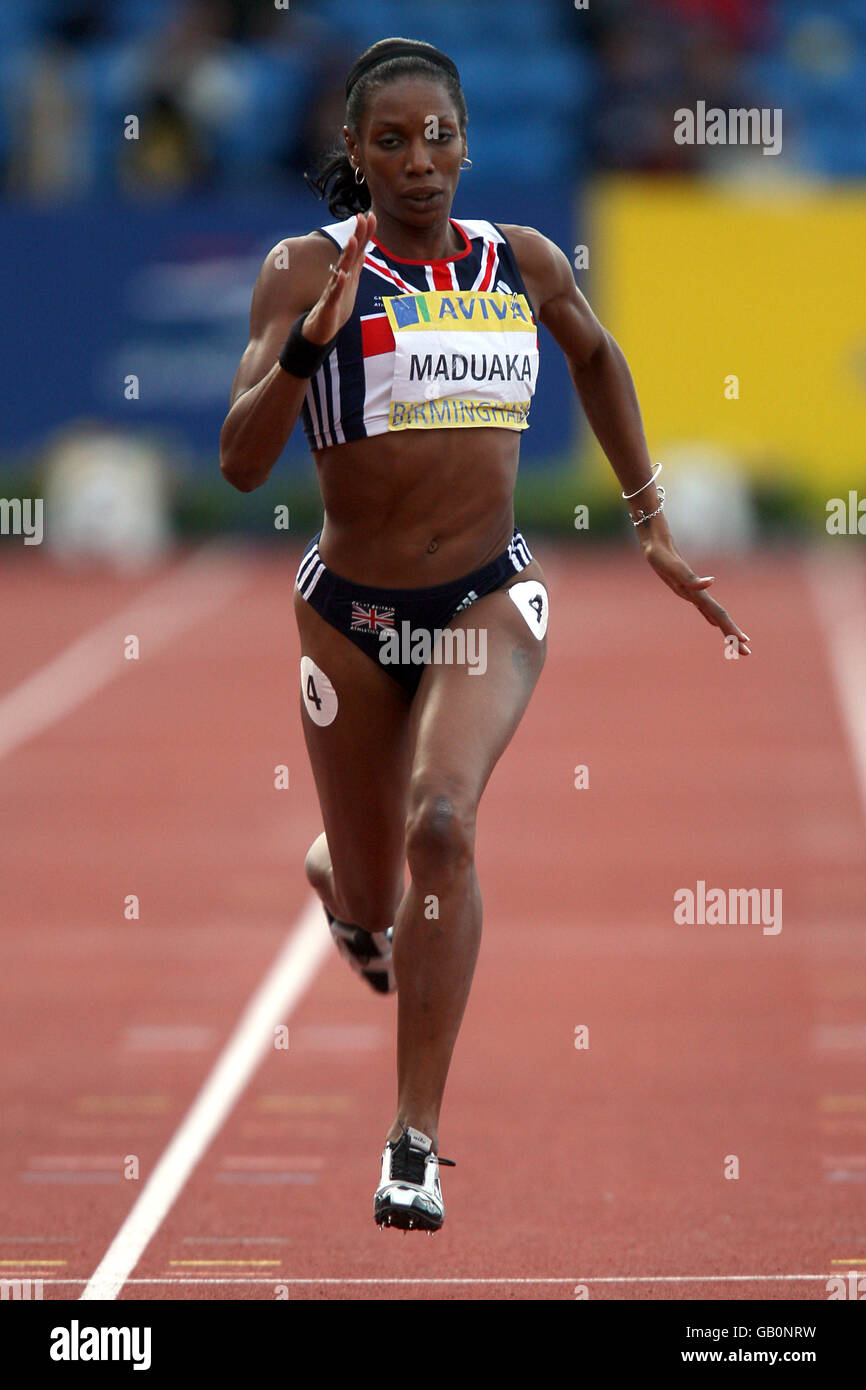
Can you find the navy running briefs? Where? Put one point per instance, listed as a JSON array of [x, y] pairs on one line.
[[367, 615]]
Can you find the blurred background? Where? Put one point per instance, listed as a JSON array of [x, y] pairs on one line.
[[152, 151], [151, 154]]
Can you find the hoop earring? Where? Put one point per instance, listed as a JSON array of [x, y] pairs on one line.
[[467, 163], [357, 172]]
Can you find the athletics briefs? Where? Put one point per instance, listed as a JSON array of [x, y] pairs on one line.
[[466, 358]]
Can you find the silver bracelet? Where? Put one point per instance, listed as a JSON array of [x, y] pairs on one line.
[[645, 516], [628, 496]]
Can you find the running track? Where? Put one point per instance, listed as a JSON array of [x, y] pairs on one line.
[[602, 1166]]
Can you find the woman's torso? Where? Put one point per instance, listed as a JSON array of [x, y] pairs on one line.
[[416, 491]]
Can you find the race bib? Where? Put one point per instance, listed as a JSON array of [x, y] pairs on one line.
[[462, 359]]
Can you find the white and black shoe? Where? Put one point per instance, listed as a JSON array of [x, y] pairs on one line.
[[409, 1196], [368, 953]]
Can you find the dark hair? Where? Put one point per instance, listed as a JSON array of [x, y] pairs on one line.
[[335, 178]]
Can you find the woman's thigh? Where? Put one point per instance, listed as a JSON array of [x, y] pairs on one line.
[[465, 715], [361, 765]]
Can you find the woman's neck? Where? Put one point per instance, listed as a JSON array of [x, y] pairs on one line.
[[432, 243]]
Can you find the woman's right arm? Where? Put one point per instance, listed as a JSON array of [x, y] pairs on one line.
[[265, 399]]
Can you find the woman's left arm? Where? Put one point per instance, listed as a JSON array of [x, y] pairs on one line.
[[604, 384]]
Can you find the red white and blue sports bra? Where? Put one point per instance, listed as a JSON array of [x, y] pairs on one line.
[[430, 345]]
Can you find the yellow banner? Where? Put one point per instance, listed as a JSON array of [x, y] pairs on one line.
[[742, 313]]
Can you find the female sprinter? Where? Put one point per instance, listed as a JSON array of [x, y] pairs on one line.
[[407, 341]]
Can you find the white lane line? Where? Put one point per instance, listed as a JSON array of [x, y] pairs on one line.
[[195, 589], [278, 1278], [288, 978], [837, 587]]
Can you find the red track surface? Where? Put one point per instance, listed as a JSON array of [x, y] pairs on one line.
[[573, 1165]]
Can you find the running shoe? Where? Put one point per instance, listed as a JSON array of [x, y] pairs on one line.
[[409, 1196], [368, 953]]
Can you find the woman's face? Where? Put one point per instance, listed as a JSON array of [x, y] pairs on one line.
[[410, 148]]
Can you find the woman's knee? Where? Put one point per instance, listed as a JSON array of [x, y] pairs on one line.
[[440, 829]]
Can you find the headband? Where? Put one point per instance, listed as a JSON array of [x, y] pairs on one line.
[[399, 48]]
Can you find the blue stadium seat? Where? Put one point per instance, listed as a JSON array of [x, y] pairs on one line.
[[277, 85], [539, 149], [853, 12], [834, 148], [18, 26], [104, 76], [520, 24], [450, 24], [22, 21], [133, 19], [769, 80], [496, 83]]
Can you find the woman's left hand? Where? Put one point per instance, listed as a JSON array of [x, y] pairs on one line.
[[659, 549]]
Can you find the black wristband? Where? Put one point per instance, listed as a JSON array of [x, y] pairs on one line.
[[299, 356]]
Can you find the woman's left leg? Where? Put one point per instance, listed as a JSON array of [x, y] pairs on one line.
[[461, 723]]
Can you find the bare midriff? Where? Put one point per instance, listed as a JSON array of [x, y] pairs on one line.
[[417, 507]]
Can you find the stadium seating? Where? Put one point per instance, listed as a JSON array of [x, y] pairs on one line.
[[530, 72]]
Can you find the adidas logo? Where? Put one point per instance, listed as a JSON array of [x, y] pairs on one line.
[[470, 598]]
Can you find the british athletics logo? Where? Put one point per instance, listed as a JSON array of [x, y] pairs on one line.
[[368, 617]]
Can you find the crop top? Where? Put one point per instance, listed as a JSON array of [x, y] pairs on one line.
[[442, 344]]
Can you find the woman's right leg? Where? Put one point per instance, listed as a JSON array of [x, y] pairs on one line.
[[361, 766]]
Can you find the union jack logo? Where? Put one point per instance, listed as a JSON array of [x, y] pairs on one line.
[[368, 617]]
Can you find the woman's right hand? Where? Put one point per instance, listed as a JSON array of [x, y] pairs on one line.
[[335, 304]]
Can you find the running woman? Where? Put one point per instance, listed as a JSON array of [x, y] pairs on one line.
[[406, 341]]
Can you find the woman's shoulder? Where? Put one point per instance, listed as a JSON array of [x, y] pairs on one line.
[[298, 253], [539, 259], [528, 241], [292, 272], [542, 264]]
